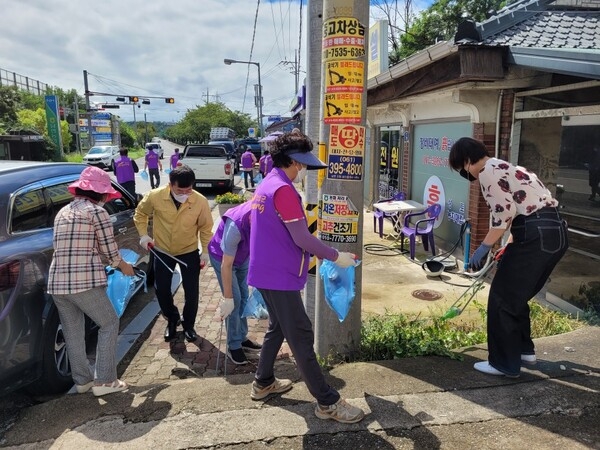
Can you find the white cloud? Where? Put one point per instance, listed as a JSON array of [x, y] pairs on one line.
[[157, 48]]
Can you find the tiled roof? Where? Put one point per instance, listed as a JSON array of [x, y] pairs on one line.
[[552, 29]]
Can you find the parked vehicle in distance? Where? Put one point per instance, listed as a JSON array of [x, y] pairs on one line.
[[252, 143], [156, 147], [32, 346], [211, 165], [231, 153], [156, 139], [102, 156]]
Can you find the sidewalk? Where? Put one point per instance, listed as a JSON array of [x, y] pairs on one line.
[[177, 400]]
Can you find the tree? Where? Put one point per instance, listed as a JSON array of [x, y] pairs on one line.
[[196, 125], [10, 98], [36, 121], [410, 34]]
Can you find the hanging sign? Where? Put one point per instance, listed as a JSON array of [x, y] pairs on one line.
[[346, 152], [344, 76], [338, 221], [343, 37]]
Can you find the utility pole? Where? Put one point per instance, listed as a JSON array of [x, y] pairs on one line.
[[146, 127], [77, 128], [312, 126], [342, 139], [90, 139]]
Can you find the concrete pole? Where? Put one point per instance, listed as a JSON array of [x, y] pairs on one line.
[[312, 126], [88, 114], [77, 137], [341, 196]]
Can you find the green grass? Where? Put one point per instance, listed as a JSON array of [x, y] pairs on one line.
[[392, 336]]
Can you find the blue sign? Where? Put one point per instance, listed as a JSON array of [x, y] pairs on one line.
[[101, 116], [102, 137], [345, 167]]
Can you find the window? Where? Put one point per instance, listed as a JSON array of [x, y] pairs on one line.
[[29, 211]]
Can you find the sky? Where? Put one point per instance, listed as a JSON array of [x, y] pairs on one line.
[[159, 48]]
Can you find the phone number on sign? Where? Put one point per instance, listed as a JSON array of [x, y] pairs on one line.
[[345, 169], [342, 239], [343, 52]]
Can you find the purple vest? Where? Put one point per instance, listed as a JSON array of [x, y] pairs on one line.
[[266, 164], [152, 160], [247, 162], [124, 169], [276, 262], [241, 217], [174, 160]]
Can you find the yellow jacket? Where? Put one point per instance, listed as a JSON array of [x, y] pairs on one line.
[[175, 230]]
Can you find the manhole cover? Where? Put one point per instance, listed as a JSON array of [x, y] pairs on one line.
[[427, 294]]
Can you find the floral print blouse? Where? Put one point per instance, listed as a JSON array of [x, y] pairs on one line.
[[511, 190]]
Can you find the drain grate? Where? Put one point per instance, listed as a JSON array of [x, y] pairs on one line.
[[427, 294]]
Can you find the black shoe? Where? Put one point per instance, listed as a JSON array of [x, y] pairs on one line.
[[171, 331], [251, 346], [237, 356], [190, 335]]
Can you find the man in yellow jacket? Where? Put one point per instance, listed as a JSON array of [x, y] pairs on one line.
[[180, 218]]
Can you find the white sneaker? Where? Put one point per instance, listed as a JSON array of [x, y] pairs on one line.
[[487, 368], [528, 359], [341, 411]]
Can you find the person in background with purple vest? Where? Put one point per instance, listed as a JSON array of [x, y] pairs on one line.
[[175, 158], [265, 163], [125, 170], [248, 161], [229, 250], [280, 248], [153, 165]]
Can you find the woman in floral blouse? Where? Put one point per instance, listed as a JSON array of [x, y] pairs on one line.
[[517, 200]]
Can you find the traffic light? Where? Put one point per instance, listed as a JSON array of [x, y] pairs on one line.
[[134, 99], [145, 102], [110, 106], [169, 100], [120, 99]]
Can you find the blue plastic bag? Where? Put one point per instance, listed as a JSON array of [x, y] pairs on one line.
[[255, 306], [120, 287], [258, 178], [144, 175], [338, 284], [168, 171]]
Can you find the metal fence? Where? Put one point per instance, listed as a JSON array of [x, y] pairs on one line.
[[22, 82]]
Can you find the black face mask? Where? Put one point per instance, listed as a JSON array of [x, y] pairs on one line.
[[466, 175]]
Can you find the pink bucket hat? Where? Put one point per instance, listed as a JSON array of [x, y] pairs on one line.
[[97, 180]]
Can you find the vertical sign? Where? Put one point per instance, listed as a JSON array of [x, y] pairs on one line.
[[52, 121]]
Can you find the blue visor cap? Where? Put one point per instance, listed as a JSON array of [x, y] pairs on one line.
[[307, 158]]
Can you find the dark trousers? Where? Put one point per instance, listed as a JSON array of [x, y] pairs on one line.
[[539, 242], [191, 278], [248, 174], [129, 187], [288, 320], [154, 175]]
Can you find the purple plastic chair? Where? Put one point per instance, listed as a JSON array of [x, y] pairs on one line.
[[378, 216], [422, 227]]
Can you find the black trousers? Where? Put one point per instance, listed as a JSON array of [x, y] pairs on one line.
[[154, 175], [288, 320], [248, 175], [129, 187], [191, 280], [539, 242]]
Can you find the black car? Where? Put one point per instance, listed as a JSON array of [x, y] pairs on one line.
[[32, 345], [253, 144]]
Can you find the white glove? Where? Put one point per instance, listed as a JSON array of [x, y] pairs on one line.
[[146, 242], [204, 260], [225, 307], [345, 259]]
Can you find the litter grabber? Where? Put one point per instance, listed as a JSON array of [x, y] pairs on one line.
[[219, 352], [169, 255], [463, 301]]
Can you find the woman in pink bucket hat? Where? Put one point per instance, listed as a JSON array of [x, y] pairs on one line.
[[77, 280]]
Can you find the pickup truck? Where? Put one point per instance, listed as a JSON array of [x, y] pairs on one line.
[[211, 165]]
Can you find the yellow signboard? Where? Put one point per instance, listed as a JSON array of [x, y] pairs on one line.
[[347, 140], [344, 76], [342, 107]]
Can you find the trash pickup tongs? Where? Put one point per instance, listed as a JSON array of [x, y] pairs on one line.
[[463, 301], [155, 248]]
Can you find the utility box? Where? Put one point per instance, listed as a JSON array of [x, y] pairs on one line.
[[221, 134]]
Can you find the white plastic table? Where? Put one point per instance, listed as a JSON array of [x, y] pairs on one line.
[[397, 208]]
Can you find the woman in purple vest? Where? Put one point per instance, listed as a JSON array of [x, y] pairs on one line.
[[280, 245], [265, 163], [175, 158], [125, 170], [229, 250]]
